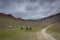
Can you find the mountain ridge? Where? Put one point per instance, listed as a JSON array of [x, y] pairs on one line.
[[51, 19]]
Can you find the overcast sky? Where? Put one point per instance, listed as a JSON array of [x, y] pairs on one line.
[[30, 9]]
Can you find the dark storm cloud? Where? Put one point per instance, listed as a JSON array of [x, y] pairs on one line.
[[30, 9]]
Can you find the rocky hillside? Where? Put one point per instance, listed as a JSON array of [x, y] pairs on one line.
[[9, 20], [52, 19]]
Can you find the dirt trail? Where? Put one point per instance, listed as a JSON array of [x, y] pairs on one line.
[[42, 35]]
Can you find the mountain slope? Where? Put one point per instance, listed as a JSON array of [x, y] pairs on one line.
[[52, 19], [9, 20], [15, 33]]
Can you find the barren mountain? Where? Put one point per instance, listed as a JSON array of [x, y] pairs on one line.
[[52, 19], [8, 19]]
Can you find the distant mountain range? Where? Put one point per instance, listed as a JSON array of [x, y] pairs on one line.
[[9, 18]]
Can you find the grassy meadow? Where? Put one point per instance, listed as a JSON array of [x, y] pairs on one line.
[[55, 31], [15, 33]]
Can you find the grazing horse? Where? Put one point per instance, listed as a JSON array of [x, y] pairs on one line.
[[10, 27], [28, 28], [22, 27]]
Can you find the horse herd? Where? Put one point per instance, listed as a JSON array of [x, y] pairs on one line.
[[27, 28], [22, 28]]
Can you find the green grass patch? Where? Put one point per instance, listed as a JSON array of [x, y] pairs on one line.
[[55, 31], [16, 33], [55, 28]]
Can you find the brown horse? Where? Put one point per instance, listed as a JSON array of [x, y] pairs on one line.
[[28, 28]]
